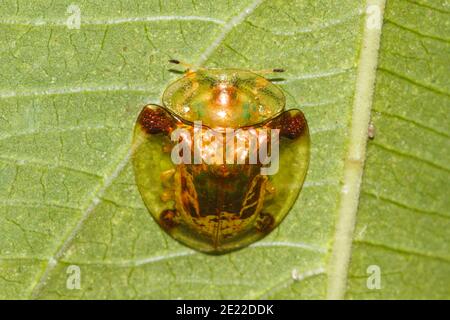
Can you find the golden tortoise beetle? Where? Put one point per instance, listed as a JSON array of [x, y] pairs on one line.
[[219, 206]]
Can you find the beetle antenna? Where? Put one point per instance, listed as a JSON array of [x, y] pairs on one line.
[[189, 67], [266, 71]]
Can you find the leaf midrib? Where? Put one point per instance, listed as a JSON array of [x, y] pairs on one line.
[[356, 154]]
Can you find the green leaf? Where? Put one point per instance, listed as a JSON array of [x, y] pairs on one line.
[[403, 220], [69, 99]]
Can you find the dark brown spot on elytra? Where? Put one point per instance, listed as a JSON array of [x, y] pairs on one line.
[[155, 120], [292, 126]]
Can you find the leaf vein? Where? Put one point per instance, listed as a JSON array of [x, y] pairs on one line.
[[427, 6], [41, 164], [407, 251], [60, 130], [420, 125], [92, 88], [411, 156], [414, 82], [355, 157], [398, 25], [404, 206], [228, 27], [88, 22]]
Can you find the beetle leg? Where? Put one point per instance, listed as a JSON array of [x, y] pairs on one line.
[[167, 195], [167, 147], [169, 218], [265, 222], [167, 178], [167, 175], [270, 190]]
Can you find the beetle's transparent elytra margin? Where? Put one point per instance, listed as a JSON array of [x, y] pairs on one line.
[[219, 207]]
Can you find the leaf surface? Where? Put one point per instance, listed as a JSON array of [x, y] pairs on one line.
[[69, 99]]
